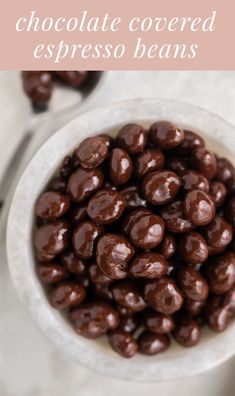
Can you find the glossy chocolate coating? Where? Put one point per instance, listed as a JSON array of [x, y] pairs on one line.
[[132, 138], [192, 283], [149, 161], [218, 192], [149, 265], [133, 198], [67, 167], [168, 246], [191, 141], [58, 184], [113, 254], [120, 166], [152, 344], [161, 187], [128, 323], [229, 300], [127, 295], [187, 332], [85, 237], [92, 320], [72, 263], [67, 295], [193, 308], [91, 152], [218, 233], [166, 135], [97, 276], [163, 295], [159, 323], [146, 230], [175, 219], [204, 162], [192, 180], [216, 315], [52, 273], [38, 85], [123, 343], [230, 212], [176, 164], [78, 214], [44, 257], [73, 78], [84, 182], [51, 205], [106, 206], [225, 171], [199, 207], [193, 248], [52, 238], [132, 217], [220, 273]]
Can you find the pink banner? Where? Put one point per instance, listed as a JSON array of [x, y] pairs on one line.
[[121, 35]]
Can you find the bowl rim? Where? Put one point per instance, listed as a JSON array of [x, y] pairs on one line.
[[91, 354]]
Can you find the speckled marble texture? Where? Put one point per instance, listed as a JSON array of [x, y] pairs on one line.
[[29, 366]]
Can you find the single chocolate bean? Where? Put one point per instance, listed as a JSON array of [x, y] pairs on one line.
[[106, 206], [160, 187], [204, 162], [199, 207], [175, 219], [73, 263], [126, 294], [132, 138], [92, 320], [51, 205], [52, 238], [113, 254], [193, 284], [84, 182], [152, 344], [38, 86], [91, 152], [85, 237], [218, 233], [120, 167], [166, 135], [159, 323], [193, 248], [163, 295], [123, 343], [67, 294], [192, 180], [149, 161], [52, 273], [220, 273], [149, 265], [187, 332]]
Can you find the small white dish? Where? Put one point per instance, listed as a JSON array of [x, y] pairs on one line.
[[177, 362]]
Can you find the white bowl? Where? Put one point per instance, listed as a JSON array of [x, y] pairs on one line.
[[177, 362]]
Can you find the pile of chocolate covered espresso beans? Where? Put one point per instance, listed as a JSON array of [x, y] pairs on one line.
[[134, 238], [38, 85]]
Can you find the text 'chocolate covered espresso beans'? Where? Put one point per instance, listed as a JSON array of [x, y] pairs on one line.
[[134, 238]]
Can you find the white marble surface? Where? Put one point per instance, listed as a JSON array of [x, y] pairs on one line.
[[29, 366]]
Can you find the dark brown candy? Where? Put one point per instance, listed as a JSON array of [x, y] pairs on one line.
[[149, 265], [230, 212], [67, 295], [193, 248], [220, 273], [199, 207], [145, 229], [52, 273], [52, 238], [127, 295], [187, 332], [159, 323], [192, 180], [218, 233], [51, 205], [84, 182], [175, 219], [38, 85], [161, 187], [192, 284], [78, 214], [92, 320], [163, 295], [85, 237], [120, 167], [166, 135], [113, 254], [176, 164], [191, 141], [152, 344], [73, 263], [193, 308], [216, 315], [73, 78], [229, 300], [44, 257], [204, 162], [123, 343], [91, 152], [133, 198], [225, 171], [132, 138], [106, 206], [97, 276], [218, 192], [131, 219], [67, 167], [128, 323], [168, 246], [149, 161]]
